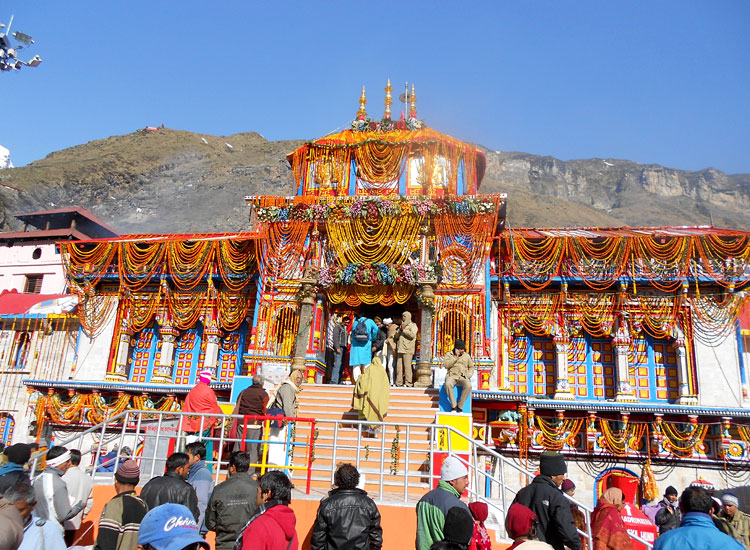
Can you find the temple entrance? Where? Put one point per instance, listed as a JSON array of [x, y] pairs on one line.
[[371, 311]]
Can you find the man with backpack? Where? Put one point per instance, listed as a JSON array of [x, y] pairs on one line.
[[364, 333]]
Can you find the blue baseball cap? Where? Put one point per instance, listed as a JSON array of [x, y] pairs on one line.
[[170, 527]]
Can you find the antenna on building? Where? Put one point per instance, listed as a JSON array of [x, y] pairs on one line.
[[404, 98]]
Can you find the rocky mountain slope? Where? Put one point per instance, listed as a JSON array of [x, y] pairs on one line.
[[170, 181]]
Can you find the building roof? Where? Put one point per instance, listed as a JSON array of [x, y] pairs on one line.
[[625, 231], [51, 235], [13, 302], [31, 217]]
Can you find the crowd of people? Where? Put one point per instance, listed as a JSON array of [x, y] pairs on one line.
[[176, 511], [356, 340]]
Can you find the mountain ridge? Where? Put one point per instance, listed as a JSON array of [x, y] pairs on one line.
[[161, 181]]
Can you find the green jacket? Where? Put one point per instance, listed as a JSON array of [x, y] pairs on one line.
[[431, 512]]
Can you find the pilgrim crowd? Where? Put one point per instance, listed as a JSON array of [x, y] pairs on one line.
[[45, 493], [177, 510]]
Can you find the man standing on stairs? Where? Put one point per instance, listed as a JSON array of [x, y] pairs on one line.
[[460, 370], [544, 497], [364, 334], [434, 506], [340, 343], [406, 344]]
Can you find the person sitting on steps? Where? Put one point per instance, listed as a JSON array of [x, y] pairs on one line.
[[460, 370]]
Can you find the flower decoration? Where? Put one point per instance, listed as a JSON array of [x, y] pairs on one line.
[[371, 274], [376, 207]]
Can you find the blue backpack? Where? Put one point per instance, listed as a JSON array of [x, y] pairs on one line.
[[361, 332]]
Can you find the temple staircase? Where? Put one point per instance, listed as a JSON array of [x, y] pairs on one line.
[[342, 437]]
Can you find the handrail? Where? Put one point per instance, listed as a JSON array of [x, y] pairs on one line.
[[139, 424]]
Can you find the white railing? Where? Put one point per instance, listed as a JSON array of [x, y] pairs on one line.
[[153, 435]]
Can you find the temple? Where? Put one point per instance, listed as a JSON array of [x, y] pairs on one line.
[[617, 346]]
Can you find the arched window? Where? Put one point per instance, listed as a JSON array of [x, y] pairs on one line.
[[23, 343]]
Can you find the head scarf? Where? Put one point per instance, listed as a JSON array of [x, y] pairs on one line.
[[519, 520], [614, 496]]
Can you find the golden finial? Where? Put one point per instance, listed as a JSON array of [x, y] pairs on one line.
[[412, 103], [362, 113], [388, 100]]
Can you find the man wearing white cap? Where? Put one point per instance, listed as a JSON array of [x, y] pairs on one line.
[[738, 520], [434, 506], [52, 491]]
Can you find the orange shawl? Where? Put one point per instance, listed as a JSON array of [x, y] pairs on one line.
[[201, 399]]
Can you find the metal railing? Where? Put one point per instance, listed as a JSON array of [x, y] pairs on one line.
[[153, 435]]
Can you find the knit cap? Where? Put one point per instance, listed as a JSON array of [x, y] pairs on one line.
[[519, 520], [128, 472], [452, 469], [458, 527], [729, 498], [567, 485], [479, 510], [20, 453], [552, 464]]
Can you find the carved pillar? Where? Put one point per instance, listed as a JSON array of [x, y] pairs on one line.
[[562, 382], [163, 369], [423, 376], [213, 336], [120, 369], [307, 303], [625, 391], [683, 387]]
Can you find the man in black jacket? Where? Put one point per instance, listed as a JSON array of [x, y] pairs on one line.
[[232, 502], [347, 517], [543, 496], [172, 487], [12, 472], [669, 516], [340, 343]]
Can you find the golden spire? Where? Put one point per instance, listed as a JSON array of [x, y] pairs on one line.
[[388, 100], [362, 113], [412, 103]]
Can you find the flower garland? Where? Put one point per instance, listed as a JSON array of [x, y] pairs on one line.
[[604, 257], [395, 452], [374, 206], [378, 273], [555, 435], [620, 443]]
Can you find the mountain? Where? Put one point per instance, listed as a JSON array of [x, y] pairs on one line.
[[171, 181]]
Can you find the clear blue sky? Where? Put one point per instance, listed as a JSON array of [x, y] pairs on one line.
[[664, 82]]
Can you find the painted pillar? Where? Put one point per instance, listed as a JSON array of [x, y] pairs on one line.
[[307, 303], [163, 370], [424, 364], [562, 382], [625, 391], [683, 387], [120, 370], [213, 340]]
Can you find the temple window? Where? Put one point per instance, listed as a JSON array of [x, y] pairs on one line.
[[229, 362], [145, 354], [7, 425], [33, 284], [532, 365], [23, 343], [591, 368], [186, 355], [653, 369], [283, 331]]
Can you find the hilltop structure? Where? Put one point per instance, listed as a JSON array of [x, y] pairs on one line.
[[622, 348]]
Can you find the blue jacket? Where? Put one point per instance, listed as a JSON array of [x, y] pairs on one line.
[[696, 532], [203, 483], [360, 353]]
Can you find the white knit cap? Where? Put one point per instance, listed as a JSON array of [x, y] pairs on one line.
[[452, 469], [387, 321]]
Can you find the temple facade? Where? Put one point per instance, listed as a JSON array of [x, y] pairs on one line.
[[623, 348]]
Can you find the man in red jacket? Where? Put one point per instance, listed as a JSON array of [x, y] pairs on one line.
[[272, 526]]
